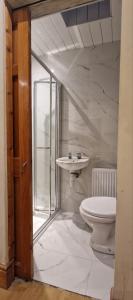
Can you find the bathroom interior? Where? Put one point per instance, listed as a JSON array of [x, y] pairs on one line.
[[75, 94]]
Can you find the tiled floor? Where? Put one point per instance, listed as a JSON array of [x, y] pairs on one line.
[[63, 258], [38, 222]]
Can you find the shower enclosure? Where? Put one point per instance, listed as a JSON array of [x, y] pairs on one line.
[[46, 129]]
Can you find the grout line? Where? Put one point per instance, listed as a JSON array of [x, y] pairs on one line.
[[91, 35], [101, 32], [112, 30], [68, 255]]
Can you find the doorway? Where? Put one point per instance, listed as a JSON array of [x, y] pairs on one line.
[[84, 56]]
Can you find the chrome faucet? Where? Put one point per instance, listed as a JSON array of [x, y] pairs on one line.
[[79, 155], [70, 155]]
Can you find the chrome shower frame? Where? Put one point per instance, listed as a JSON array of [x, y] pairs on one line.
[[51, 213]]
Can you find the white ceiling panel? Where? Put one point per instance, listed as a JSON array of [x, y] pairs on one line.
[[36, 48], [41, 39], [78, 36], [51, 35], [48, 32], [50, 24], [71, 31], [106, 27], [86, 36], [64, 33], [95, 29], [116, 19]]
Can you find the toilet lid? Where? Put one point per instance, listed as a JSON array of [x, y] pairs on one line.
[[104, 207]]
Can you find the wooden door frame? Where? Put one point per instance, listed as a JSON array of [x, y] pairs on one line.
[[14, 163], [7, 273], [22, 135], [19, 146]]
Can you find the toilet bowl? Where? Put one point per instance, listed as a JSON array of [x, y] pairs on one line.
[[100, 214]]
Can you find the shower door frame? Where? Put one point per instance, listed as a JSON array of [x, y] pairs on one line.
[[57, 147]]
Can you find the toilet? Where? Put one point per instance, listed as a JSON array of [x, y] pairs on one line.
[[99, 211]]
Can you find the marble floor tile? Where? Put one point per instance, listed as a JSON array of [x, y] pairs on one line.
[[64, 271], [66, 237], [100, 280], [38, 222], [63, 258]]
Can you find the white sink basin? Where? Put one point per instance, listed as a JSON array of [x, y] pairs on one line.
[[73, 164]]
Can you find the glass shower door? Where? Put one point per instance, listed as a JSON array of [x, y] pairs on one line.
[[46, 149], [42, 147]]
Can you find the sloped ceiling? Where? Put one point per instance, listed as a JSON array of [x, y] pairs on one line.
[[50, 34]]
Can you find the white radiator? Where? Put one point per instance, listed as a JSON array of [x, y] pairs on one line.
[[104, 182]]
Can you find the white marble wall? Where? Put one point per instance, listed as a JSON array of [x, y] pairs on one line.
[[89, 112], [3, 146]]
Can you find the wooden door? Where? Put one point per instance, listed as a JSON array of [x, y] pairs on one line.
[[22, 142]]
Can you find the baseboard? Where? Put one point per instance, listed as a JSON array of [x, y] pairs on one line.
[[6, 275]]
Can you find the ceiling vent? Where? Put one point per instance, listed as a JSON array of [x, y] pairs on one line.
[[91, 12]]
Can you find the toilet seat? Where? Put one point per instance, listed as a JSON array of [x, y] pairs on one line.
[[101, 207]]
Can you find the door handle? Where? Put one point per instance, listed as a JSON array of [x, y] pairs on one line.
[[24, 165]]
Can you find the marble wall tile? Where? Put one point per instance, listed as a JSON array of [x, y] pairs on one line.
[[90, 93]]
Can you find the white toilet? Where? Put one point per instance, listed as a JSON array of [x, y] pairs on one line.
[[99, 211]]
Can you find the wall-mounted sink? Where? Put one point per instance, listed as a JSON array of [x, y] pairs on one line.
[[72, 164]]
